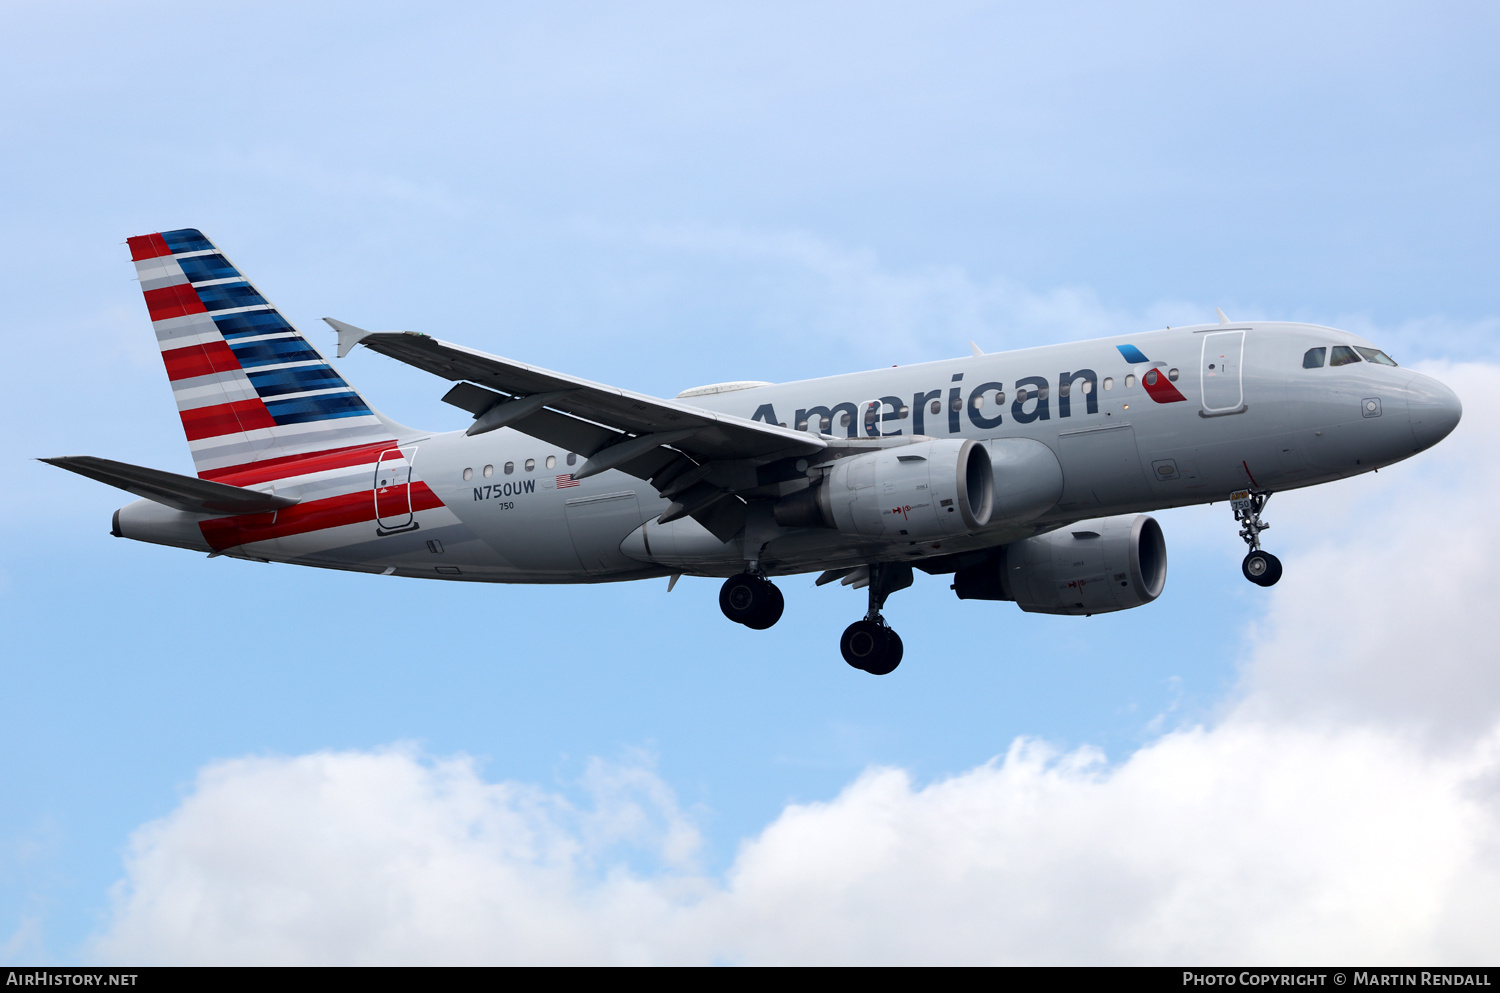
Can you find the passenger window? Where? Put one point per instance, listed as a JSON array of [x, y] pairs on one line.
[[904, 412], [468, 474], [978, 401], [489, 471], [1109, 382], [1342, 355], [937, 407], [572, 457], [551, 461], [1375, 355], [1087, 388], [1313, 359], [957, 404], [1172, 374], [510, 467], [530, 464], [1129, 382], [844, 419]]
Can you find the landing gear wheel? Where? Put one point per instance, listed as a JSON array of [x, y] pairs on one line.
[[772, 611], [872, 647], [751, 601], [894, 650], [1261, 568]]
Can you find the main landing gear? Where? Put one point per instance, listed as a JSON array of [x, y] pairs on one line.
[[870, 644], [752, 600], [1260, 567]]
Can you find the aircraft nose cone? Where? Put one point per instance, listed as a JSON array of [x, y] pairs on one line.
[[1434, 410]]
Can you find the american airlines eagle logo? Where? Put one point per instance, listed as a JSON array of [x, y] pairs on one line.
[[1157, 383]]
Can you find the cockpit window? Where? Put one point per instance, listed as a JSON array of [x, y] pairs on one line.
[[1314, 358], [1343, 355], [1375, 355]]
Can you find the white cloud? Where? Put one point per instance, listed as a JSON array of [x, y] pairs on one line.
[[385, 857], [857, 297], [1238, 844], [1344, 805]]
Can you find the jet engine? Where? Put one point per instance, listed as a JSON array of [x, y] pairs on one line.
[[1091, 567], [933, 489]]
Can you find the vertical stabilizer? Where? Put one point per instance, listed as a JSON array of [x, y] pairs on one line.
[[249, 388]]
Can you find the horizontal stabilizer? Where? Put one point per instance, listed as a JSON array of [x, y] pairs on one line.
[[186, 493]]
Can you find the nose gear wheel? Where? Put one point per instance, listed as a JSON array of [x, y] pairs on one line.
[[1261, 568]]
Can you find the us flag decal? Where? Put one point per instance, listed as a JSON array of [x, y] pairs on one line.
[[566, 480]]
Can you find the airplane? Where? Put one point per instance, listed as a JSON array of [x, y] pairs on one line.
[[1027, 476]]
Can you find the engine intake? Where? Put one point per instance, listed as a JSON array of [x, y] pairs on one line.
[[933, 489], [1092, 567]]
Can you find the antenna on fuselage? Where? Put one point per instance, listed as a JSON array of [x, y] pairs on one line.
[[1223, 318], [978, 352]]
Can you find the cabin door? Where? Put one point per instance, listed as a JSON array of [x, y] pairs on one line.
[[1221, 372], [393, 491]]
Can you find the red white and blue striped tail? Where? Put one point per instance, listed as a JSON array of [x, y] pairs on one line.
[[252, 392]]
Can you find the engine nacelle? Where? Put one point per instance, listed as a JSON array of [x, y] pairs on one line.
[[933, 489], [1092, 567]]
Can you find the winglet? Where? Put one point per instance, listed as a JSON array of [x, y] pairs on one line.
[[1222, 318], [349, 335], [978, 352]]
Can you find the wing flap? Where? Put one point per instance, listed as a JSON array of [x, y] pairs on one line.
[[610, 427]]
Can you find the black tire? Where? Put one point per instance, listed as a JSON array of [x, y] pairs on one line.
[[775, 604], [1273, 575], [871, 647], [893, 652], [751, 601], [1261, 568], [863, 642]]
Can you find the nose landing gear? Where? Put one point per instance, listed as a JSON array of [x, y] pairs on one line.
[[752, 600], [1260, 567], [870, 644]]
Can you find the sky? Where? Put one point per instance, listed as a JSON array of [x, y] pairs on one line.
[[223, 762]]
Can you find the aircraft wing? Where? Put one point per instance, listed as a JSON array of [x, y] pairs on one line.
[[642, 435], [187, 493]]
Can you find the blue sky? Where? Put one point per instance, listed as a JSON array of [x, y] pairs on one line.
[[661, 196]]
